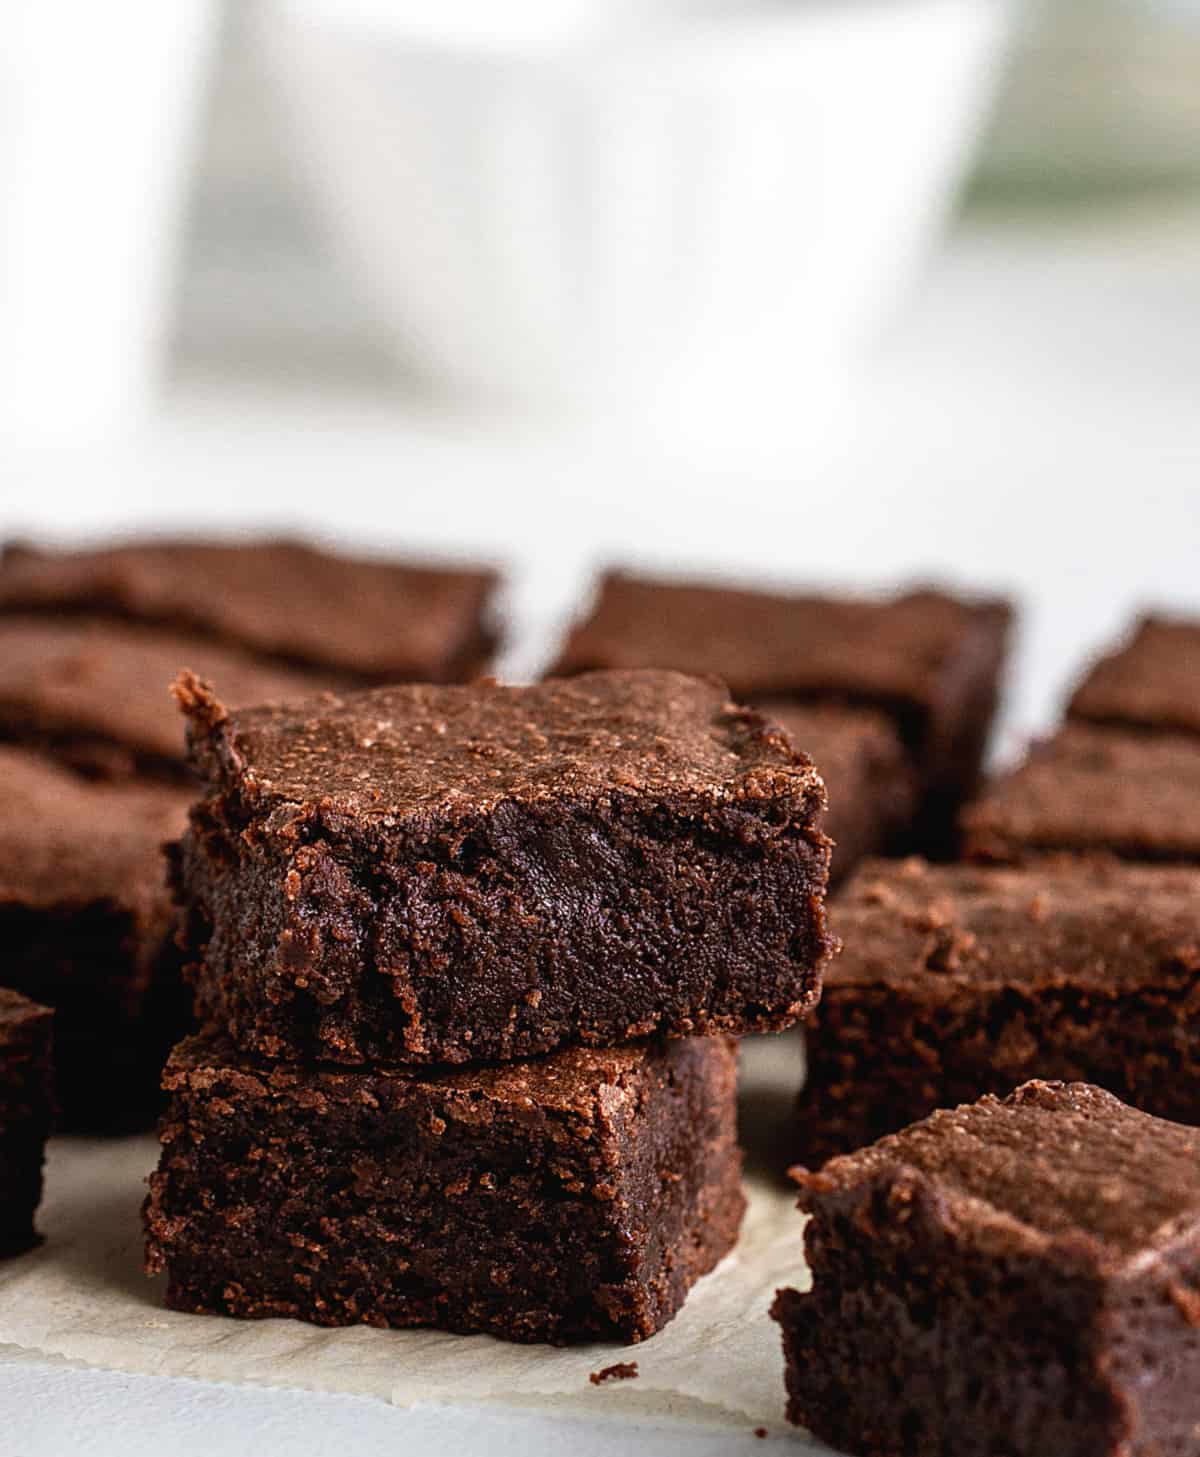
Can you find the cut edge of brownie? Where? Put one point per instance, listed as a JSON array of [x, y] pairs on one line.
[[749, 845], [575, 1198]]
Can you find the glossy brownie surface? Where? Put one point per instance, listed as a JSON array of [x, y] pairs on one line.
[[1090, 788], [959, 980], [26, 1109], [1152, 681], [445, 874], [578, 1197], [365, 619], [1016, 1276]]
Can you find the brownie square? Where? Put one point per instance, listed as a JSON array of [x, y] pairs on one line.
[[87, 925], [364, 620], [1008, 1279], [867, 775], [97, 695], [26, 1107], [1133, 794], [1151, 682], [930, 660], [449, 874], [577, 1198], [959, 980]]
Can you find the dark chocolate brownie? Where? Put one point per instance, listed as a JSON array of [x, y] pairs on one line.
[[866, 772], [929, 659], [1134, 794], [97, 695], [87, 925], [446, 874], [961, 980], [26, 1106], [576, 1198], [1013, 1278], [1151, 682], [377, 621]]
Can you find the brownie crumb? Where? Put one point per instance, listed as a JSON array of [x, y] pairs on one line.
[[622, 1371], [760, 1431]]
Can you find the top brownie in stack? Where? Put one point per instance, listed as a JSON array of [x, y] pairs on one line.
[[360, 620], [432, 874], [929, 660]]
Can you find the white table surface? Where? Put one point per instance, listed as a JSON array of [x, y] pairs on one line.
[[1032, 425]]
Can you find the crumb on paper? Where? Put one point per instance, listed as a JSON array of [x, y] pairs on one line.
[[760, 1431], [621, 1371]]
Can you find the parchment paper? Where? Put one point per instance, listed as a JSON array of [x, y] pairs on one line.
[[82, 1296]]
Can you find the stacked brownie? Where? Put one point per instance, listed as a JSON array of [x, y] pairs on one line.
[[1069, 949], [94, 777], [471, 959], [892, 697]]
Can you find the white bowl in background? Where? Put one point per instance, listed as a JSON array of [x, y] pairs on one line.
[[97, 110], [666, 211]]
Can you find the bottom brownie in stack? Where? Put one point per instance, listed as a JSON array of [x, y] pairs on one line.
[[579, 1197]]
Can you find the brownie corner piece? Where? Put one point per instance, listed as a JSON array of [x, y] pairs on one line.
[[26, 1113], [1017, 1275], [574, 1198], [449, 874]]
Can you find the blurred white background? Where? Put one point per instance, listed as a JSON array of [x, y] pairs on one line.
[[1014, 403]]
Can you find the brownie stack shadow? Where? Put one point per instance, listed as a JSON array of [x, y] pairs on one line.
[[472, 962]]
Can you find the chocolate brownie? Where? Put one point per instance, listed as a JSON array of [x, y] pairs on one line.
[[930, 660], [87, 927], [961, 980], [97, 695], [448, 874], [868, 777], [1007, 1279], [1151, 682], [26, 1105], [362, 620], [576, 1198], [1134, 794]]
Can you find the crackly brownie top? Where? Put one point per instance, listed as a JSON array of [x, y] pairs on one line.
[[64, 841], [578, 1080], [891, 651], [935, 930], [1051, 1160], [282, 598], [17, 1012], [1153, 680], [1094, 788], [64, 676], [421, 749]]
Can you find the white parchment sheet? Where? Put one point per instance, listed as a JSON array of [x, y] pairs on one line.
[[82, 1296]]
